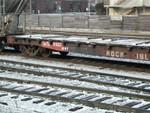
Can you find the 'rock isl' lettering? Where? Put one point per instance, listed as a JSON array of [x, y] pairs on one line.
[[115, 54], [142, 56]]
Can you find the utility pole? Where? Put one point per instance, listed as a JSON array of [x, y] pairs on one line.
[[1, 14], [89, 7], [143, 7], [3, 7], [30, 17]]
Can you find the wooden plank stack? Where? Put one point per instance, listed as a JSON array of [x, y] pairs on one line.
[[32, 20], [104, 22], [116, 22], [99, 22], [141, 23], [81, 21], [68, 21], [54, 21], [94, 22], [144, 22], [130, 22]]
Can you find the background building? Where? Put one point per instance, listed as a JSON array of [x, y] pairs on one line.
[[113, 7], [74, 5], [45, 6], [63, 6], [58, 6], [129, 7]]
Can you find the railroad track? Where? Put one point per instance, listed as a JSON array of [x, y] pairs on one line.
[[81, 75], [89, 99], [110, 80], [86, 60]]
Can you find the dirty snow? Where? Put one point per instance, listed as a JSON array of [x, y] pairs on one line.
[[17, 106]]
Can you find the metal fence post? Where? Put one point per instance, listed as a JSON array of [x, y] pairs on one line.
[[122, 22], [1, 14], [88, 21], [50, 26], [30, 17], [24, 22], [62, 21]]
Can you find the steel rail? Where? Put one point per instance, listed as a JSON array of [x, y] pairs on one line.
[[115, 93], [76, 78], [79, 101], [76, 70]]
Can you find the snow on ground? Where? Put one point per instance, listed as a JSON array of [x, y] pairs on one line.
[[76, 66], [60, 107], [56, 80], [17, 106]]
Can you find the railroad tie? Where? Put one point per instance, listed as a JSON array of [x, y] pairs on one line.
[[102, 99], [3, 95], [4, 85], [61, 94], [59, 73], [15, 97], [117, 101], [89, 97], [3, 103], [53, 91], [76, 95], [75, 109], [26, 99], [131, 104], [133, 84], [53, 72], [80, 76], [39, 90], [25, 89], [72, 74], [38, 101], [16, 87], [144, 86], [145, 106], [50, 103]]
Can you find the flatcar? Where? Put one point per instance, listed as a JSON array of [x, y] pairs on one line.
[[35, 44]]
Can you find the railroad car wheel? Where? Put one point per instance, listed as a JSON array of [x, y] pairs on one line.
[[33, 50], [2, 47], [23, 49], [46, 53], [64, 53], [17, 49]]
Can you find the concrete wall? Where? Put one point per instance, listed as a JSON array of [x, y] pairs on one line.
[[85, 21]]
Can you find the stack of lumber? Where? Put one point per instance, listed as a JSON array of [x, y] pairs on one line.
[[130, 22], [144, 22]]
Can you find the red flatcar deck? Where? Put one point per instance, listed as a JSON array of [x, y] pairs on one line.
[[126, 48]]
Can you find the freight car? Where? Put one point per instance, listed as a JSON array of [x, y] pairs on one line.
[[121, 48], [124, 48]]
